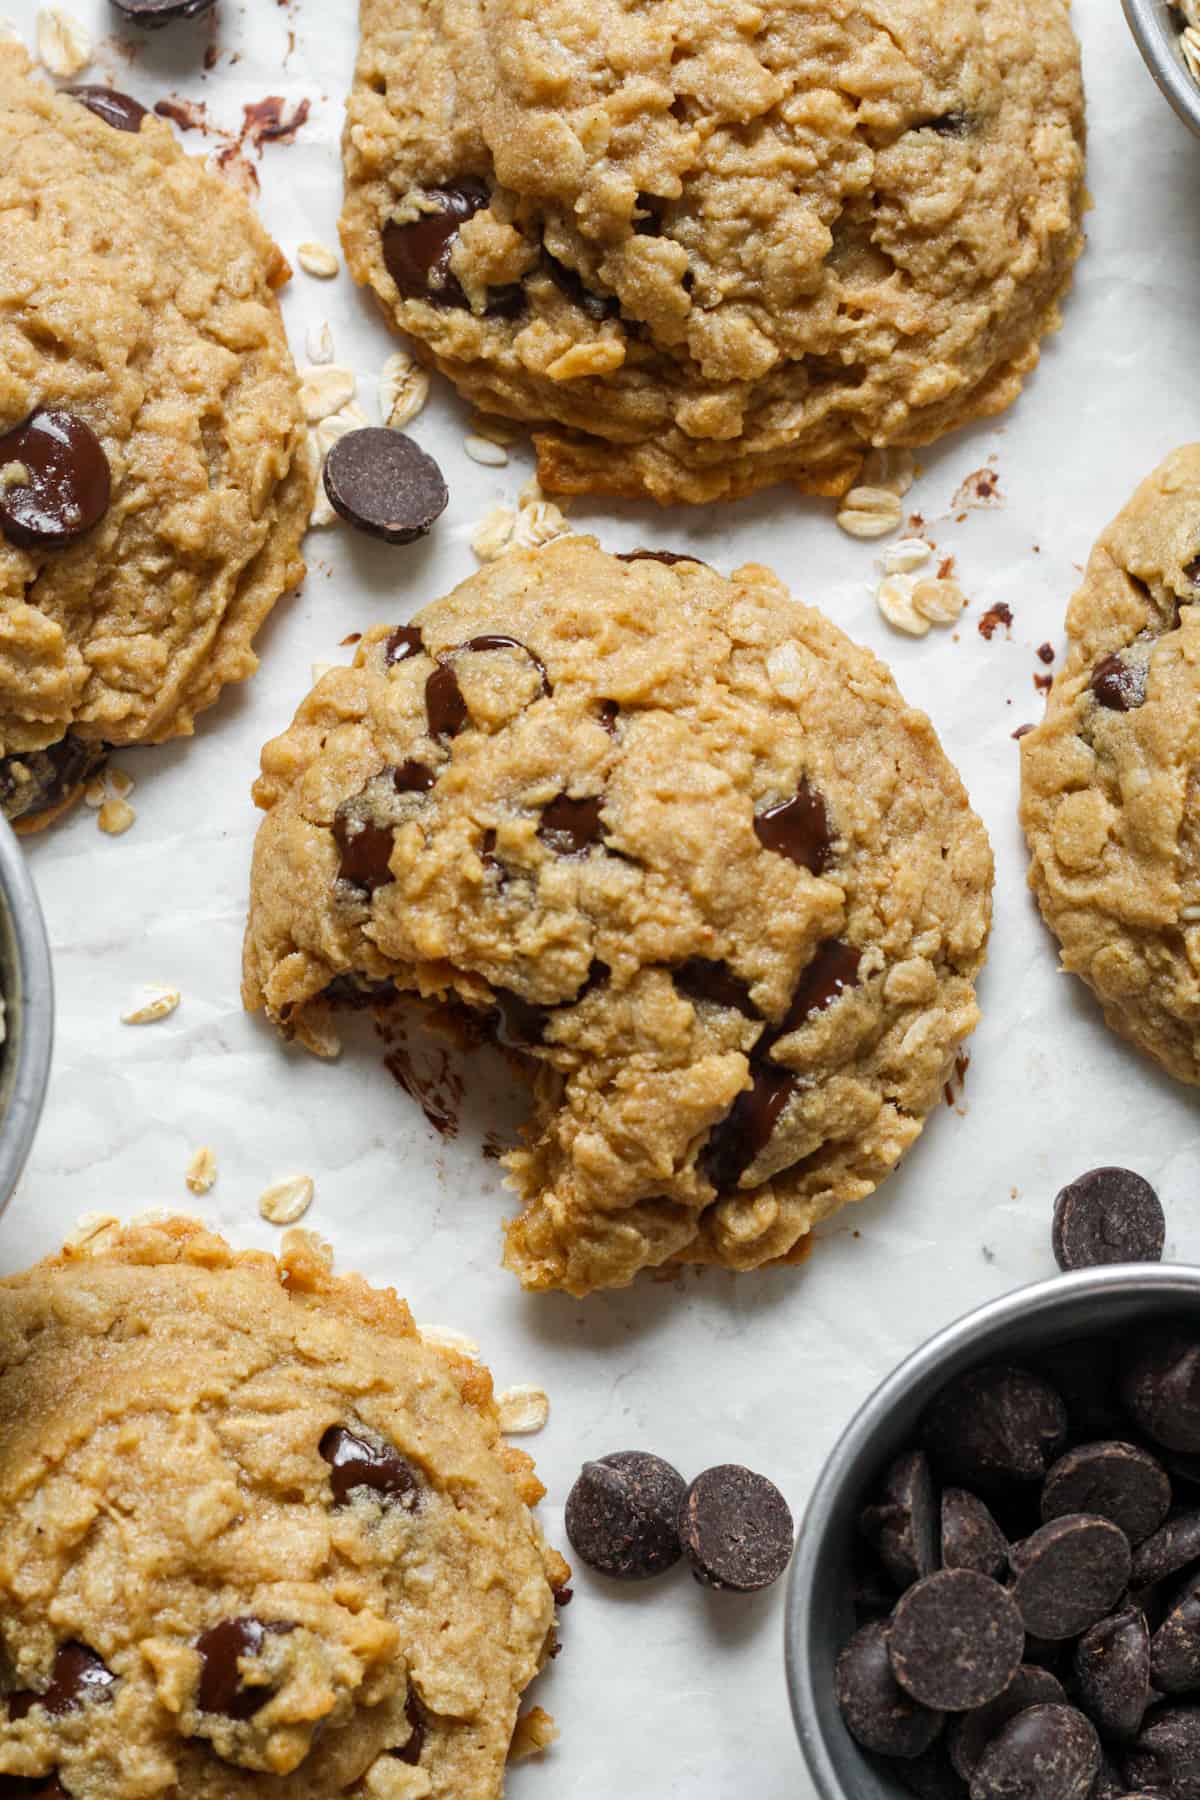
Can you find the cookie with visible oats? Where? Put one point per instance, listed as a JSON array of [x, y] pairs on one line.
[[154, 487], [1110, 780], [258, 1537], [708, 247], [677, 843]]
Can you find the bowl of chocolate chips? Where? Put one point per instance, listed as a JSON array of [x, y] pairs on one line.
[[996, 1591], [26, 1011]]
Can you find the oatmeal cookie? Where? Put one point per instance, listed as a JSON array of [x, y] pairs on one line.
[[1110, 788], [709, 245], [256, 1537], [684, 848], [154, 489]]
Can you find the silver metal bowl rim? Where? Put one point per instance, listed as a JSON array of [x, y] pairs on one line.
[[29, 1011], [1146, 19], [1026, 1306]]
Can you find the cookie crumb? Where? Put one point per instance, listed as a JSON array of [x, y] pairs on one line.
[[441, 1337], [159, 1004], [485, 451], [523, 1409], [993, 618], [403, 389], [534, 1732], [870, 512], [317, 259], [286, 1201], [63, 45], [202, 1170], [115, 817]]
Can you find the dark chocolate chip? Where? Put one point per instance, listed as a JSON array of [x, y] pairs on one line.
[[356, 1462], [37, 781], [1166, 1757], [445, 707], [1118, 1481], [971, 1538], [878, 1713], [798, 828], [383, 483], [995, 1425], [1161, 1387], [77, 1675], [902, 1524], [153, 13], [607, 713], [956, 1640], [622, 1515], [746, 1129], [1118, 685], [1070, 1573], [1175, 1651], [417, 254], [519, 1023], [418, 1718], [570, 283], [1107, 1216], [1170, 1549], [832, 970], [736, 1529], [951, 125], [970, 1735], [493, 640], [119, 110], [365, 849], [412, 778], [404, 642], [572, 826], [220, 1648], [1046, 1753], [68, 486], [716, 983], [1112, 1672]]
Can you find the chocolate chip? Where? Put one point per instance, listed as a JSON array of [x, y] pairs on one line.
[[622, 1515], [1070, 1573], [445, 707], [119, 110], [37, 781], [798, 828], [746, 1129], [669, 557], [995, 1425], [1107, 1216], [902, 1525], [570, 283], [971, 1538], [607, 713], [220, 1648], [878, 1713], [736, 1529], [383, 483], [77, 1675], [1166, 1757], [714, 983], [356, 1462], [1171, 1548], [1161, 1387], [1175, 1651], [365, 849], [970, 1736], [1118, 1481], [404, 642], [1047, 1752], [1112, 1672], [956, 1640], [832, 970], [493, 640], [570, 827], [417, 253], [418, 1719], [412, 778], [1118, 685], [67, 486], [519, 1023], [153, 13]]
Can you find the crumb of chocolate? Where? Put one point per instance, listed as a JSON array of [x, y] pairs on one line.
[[1022, 730], [1046, 652], [995, 616], [980, 488], [1043, 683]]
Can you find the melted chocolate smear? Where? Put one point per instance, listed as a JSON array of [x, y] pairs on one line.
[[495, 641], [365, 850], [519, 1023], [413, 778], [121, 111], [716, 983], [608, 714], [38, 1787], [418, 1718], [78, 1675], [355, 1462], [832, 970], [798, 829], [670, 557], [1118, 686], [570, 283], [571, 827], [418, 253], [48, 776], [219, 1648], [445, 707], [404, 642], [68, 487]]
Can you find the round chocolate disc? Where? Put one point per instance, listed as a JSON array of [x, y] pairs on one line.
[[1165, 1759], [956, 1640], [1070, 1573], [878, 1713], [622, 1515], [971, 1734], [153, 13], [54, 481], [971, 1538], [1107, 1216], [1046, 1753], [1112, 1673], [995, 1425], [119, 110], [902, 1523], [1118, 1481], [736, 1528], [383, 483], [1160, 1384]]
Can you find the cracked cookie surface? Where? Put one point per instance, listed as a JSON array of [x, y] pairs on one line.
[[1109, 791], [684, 848], [258, 1537], [710, 245], [140, 305]]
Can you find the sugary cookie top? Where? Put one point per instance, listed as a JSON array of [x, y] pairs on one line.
[[1109, 779], [252, 1527], [677, 839]]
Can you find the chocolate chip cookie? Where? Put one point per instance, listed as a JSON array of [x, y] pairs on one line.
[[153, 484], [677, 843], [709, 247], [1110, 791], [257, 1537]]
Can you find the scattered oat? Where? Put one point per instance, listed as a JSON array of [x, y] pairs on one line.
[[485, 451], [443, 1338], [894, 597], [940, 601], [95, 793], [523, 1410], [286, 1201], [318, 260], [870, 512], [63, 45], [160, 1003], [493, 535], [895, 470], [326, 390], [202, 1170], [537, 525], [534, 1732], [318, 343], [115, 817], [908, 554], [403, 389]]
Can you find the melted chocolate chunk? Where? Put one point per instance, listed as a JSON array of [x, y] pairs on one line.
[[670, 557], [404, 642], [68, 485], [121, 111], [365, 850], [798, 829], [497, 641], [220, 1648], [78, 1674], [1117, 685], [608, 713], [519, 1023], [418, 1718], [832, 970], [36, 781], [572, 827], [571, 284], [413, 778], [417, 254], [356, 1462], [715, 982], [445, 708]]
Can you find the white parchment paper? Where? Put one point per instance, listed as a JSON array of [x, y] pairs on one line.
[[667, 1690]]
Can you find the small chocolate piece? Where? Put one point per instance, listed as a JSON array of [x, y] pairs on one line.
[[495, 640], [404, 642], [1070, 1573], [417, 253], [878, 1713], [798, 828], [746, 1129], [413, 778], [995, 1425], [153, 13], [365, 850], [220, 1649], [970, 1735], [607, 713], [832, 970], [1112, 1672], [519, 1023], [971, 1538], [1175, 1650], [383, 483], [1166, 1757], [418, 1718], [119, 110], [1046, 1753], [356, 1462], [956, 1640], [67, 486], [1172, 1547], [1117, 1481], [716, 983], [572, 826], [1107, 1216], [1161, 1386], [1118, 685], [670, 557], [736, 1529], [77, 1675], [445, 707], [902, 1526], [622, 1515]]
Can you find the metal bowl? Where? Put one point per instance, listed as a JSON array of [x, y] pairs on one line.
[[1156, 27], [820, 1615], [28, 992]]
